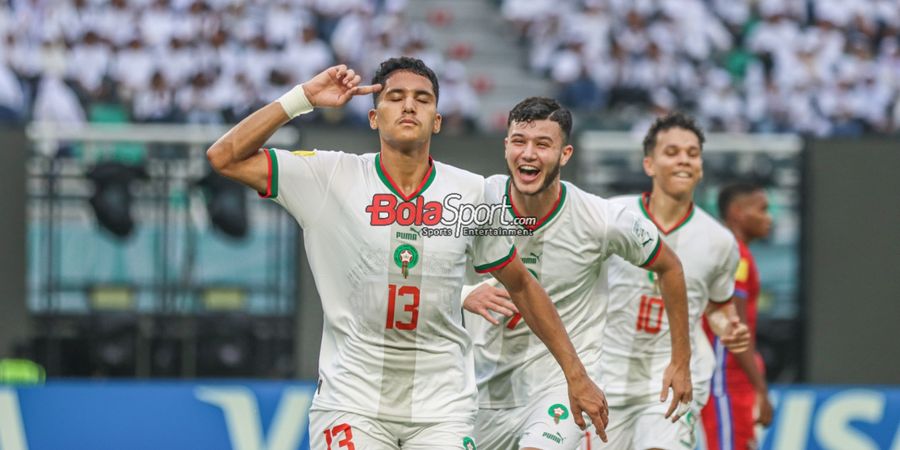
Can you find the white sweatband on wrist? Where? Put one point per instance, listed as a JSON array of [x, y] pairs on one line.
[[295, 102]]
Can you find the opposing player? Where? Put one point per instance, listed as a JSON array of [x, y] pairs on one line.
[[521, 390], [738, 391], [395, 363], [635, 343]]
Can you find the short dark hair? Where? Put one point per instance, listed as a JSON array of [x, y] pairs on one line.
[[673, 120], [732, 191], [542, 108], [403, 63]]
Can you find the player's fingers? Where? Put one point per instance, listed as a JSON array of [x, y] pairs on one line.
[[504, 303], [500, 292], [664, 393], [576, 415], [488, 316], [500, 309], [364, 90], [355, 81], [672, 408], [337, 72], [349, 77], [602, 434]]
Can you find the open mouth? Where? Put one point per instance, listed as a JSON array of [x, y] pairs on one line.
[[529, 173]]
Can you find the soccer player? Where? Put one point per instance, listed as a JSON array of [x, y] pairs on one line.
[[635, 343], [738, 390], [395, 366], [521, 390]]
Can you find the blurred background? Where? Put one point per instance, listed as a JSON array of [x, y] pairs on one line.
[[135, 282]]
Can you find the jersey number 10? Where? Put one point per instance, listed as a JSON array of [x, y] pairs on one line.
[[650, 315], [412, 308]]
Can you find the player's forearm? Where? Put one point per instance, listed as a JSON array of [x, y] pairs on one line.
[[747, 362], [674, 292], [245, 138], [542, 318]]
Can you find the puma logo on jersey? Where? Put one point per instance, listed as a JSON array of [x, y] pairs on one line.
[[407, 236]]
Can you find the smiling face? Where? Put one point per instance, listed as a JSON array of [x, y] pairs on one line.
[[535, 152], [406, 112], [676, 162]]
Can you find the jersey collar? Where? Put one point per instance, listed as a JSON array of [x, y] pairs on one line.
[[389, 182], [644, 201], [554, 211]]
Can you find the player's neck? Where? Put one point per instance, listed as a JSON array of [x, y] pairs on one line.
[[738, 233], [537, 205], [406, 169], [667, 211]]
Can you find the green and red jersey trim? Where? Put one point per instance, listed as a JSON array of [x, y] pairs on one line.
[[644, 201], [654, 254], [389, 182], [272, 177], [498, 264], [554, 211]]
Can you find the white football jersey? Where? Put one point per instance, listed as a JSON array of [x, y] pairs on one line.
[[393, 343], [637, 347], [566, 253]]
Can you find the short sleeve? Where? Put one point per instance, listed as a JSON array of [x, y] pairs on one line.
[[721, 287], [632, 237], [491, 251], [300, 180]]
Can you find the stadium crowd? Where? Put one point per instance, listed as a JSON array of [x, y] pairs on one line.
[[199, 61], [822, 67]]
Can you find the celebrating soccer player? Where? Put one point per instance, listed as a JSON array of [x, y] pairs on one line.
[[635, 343], [522, 393], [395, 368], [738, 385]]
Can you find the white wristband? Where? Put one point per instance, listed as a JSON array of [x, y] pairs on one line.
[[295, 102]]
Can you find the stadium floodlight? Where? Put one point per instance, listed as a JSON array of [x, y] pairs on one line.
[[226, 203], [111, 200]]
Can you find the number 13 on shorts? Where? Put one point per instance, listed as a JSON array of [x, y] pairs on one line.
[[343, 434]]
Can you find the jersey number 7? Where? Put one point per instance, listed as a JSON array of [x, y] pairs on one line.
[[413, 307], [650, 314]]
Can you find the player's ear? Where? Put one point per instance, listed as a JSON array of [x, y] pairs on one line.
[[373, 124], [648, 166], [437, 123], [566, 154]]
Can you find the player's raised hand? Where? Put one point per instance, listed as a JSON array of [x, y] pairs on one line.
[[335, 86], [737, 337], [677, 377], [486, 298], [586, 397]]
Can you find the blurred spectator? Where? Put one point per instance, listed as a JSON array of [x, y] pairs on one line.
[[154, 102], [57, 103], [459, 103], [811, 66], [12, 97]]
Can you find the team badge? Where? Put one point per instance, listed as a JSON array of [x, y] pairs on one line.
[[406, 257], [468, 443], [558, 412]]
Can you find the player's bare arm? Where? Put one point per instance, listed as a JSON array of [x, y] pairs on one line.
[[236, 155], [747, 362], [543, 319], [724, 321], [674, 293]]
